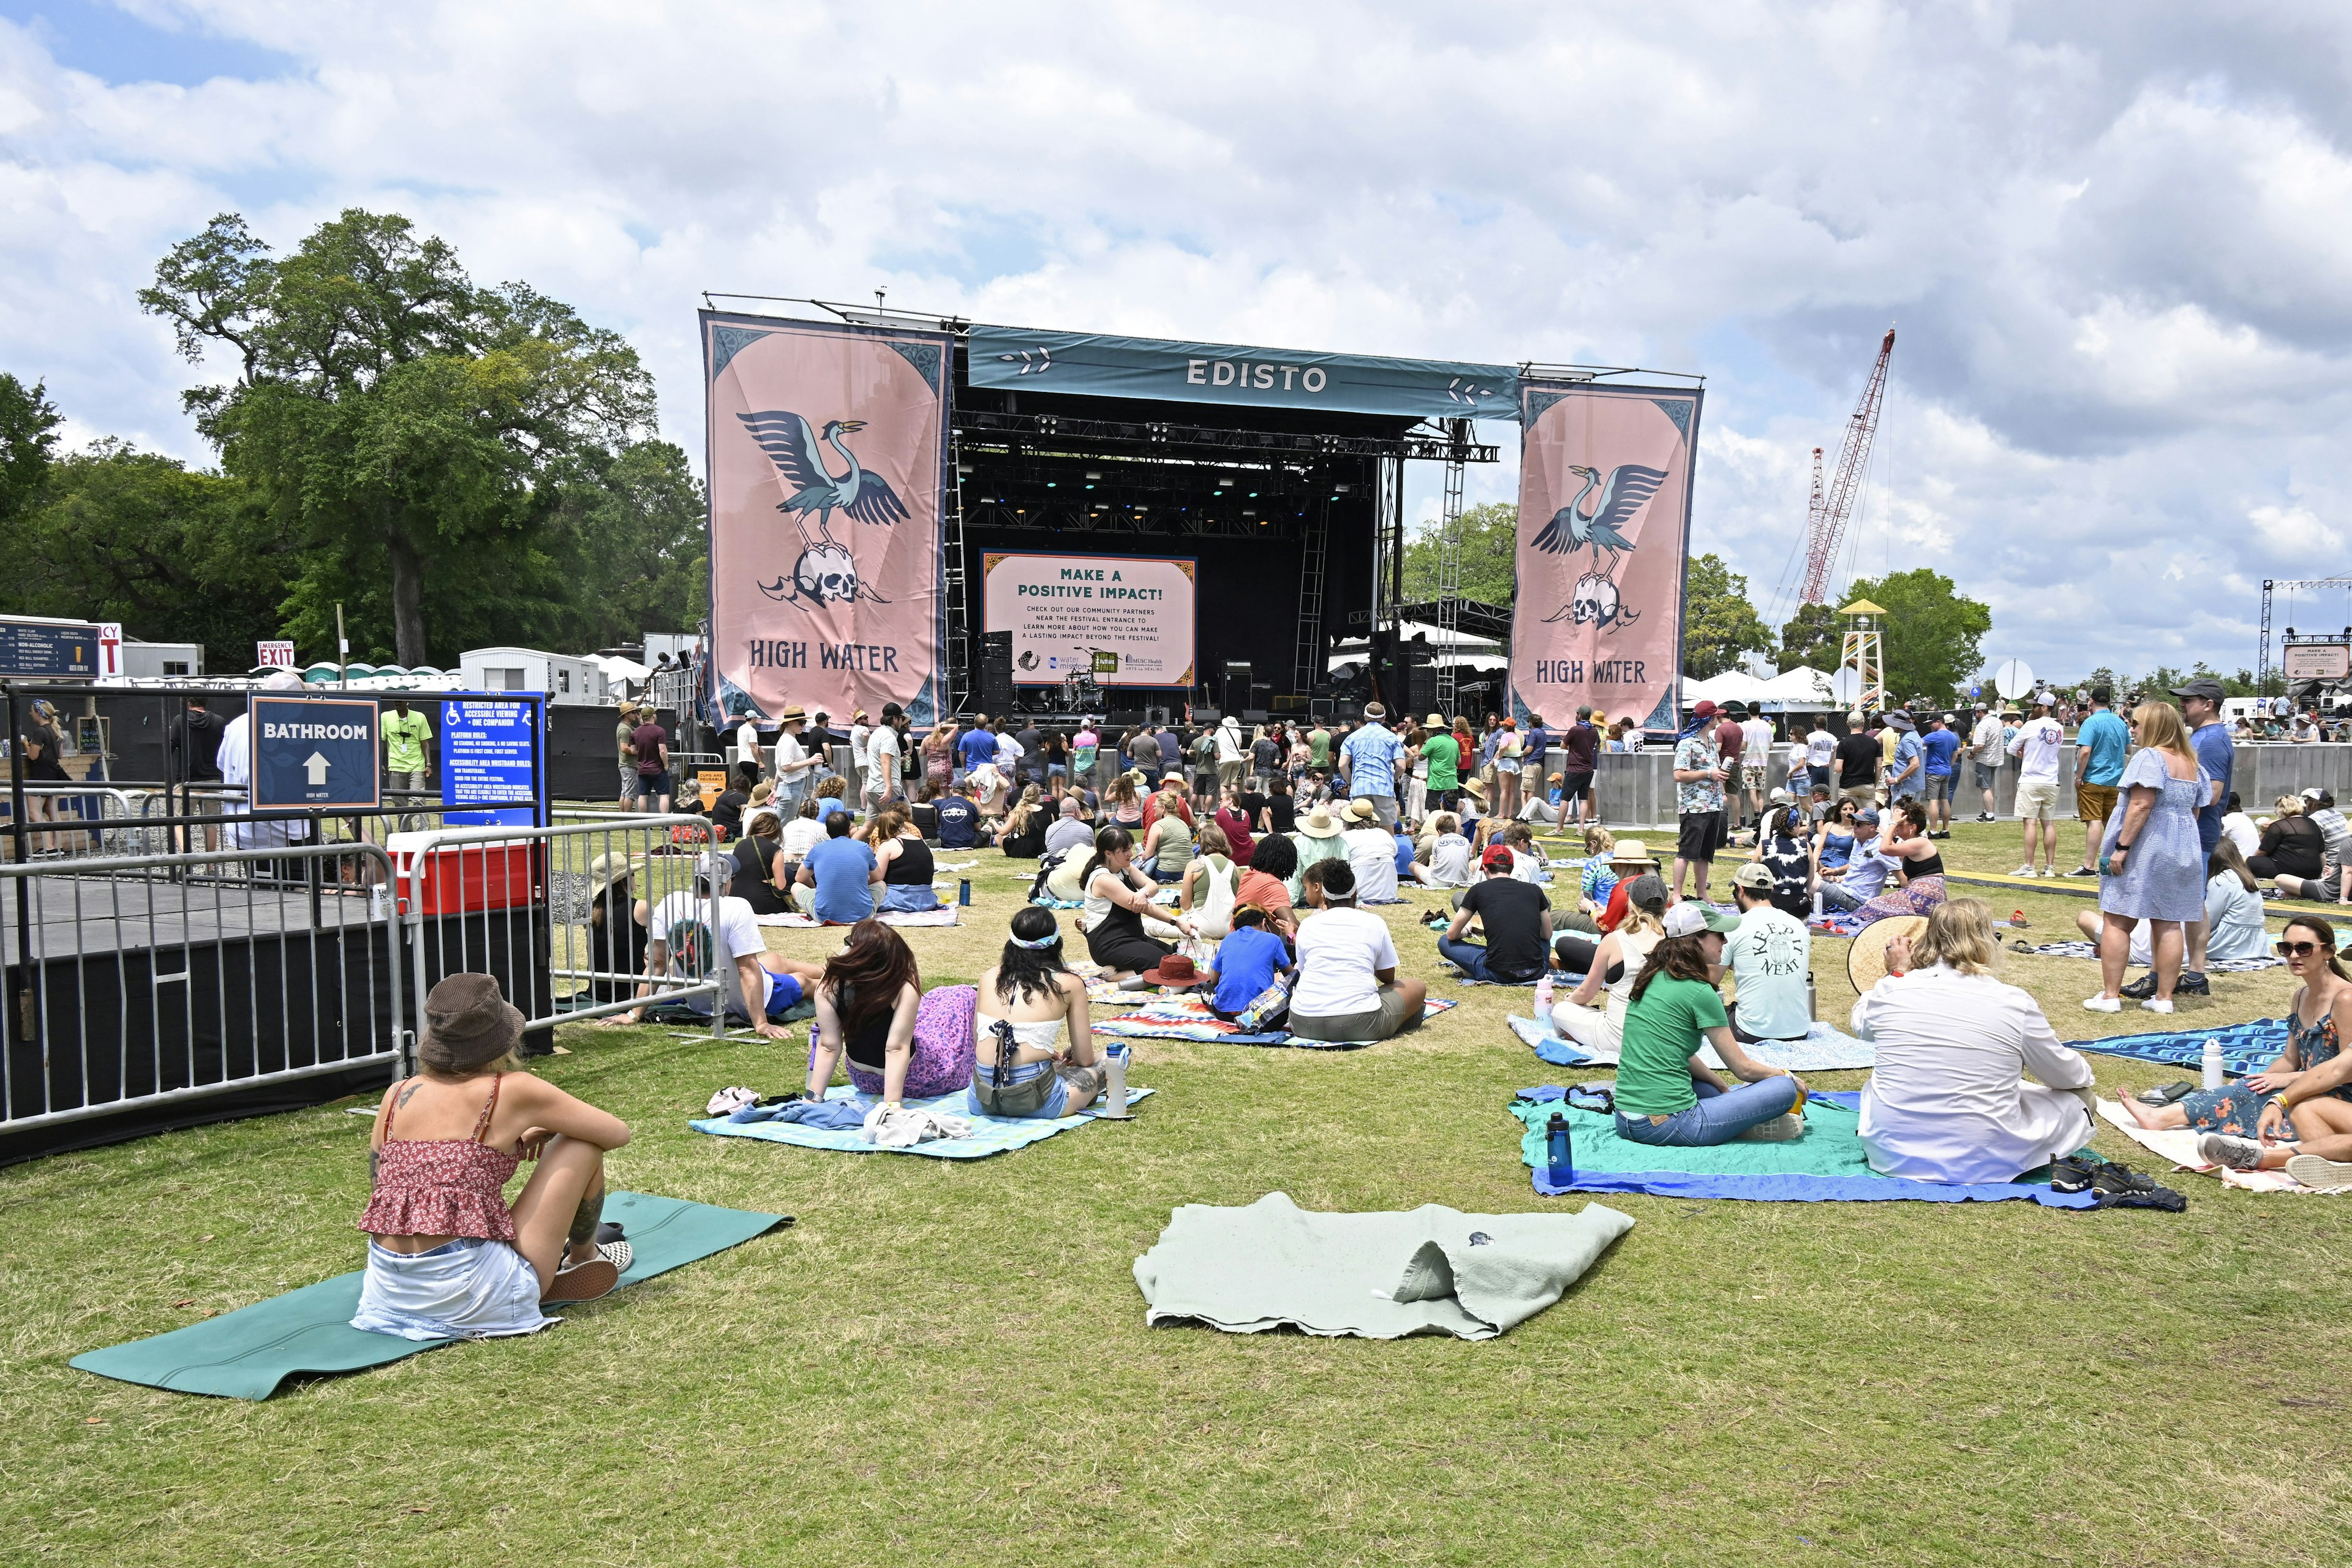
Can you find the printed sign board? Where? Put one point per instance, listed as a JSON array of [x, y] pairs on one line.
[[313, 751], [489, 752], [273, 654], [110, 651], [2318, 660], [57, 652], [1128, 620]]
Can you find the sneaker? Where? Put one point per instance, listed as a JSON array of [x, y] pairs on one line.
[[2073, 1172], [2103, 1004], [1987, 816], [2237, 1154], [2318, 1171], [2157, 1005], [2022, 871], [2143, 988], [2111, 1179], [2193, 983], [2082, 871], [586, 1281]]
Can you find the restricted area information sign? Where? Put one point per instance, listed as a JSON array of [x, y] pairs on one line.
[[313, 751], [489, 752], [1125, 619]]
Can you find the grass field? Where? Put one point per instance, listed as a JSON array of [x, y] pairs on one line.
[[949, 1363]]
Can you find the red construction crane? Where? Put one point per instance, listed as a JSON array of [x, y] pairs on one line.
[[1825, 518]]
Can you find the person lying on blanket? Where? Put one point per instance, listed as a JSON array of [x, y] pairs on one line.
[[1247, 961], [2304, 1098], [1665, 1096], [1348, 986], [1610, 966], [866, 1005], [1021, 1067], [1947, 1102], [681, 948], [1517, 919], [448, 1258]]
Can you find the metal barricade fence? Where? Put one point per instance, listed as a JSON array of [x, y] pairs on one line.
[[129, 985], [550, 908], [70, 821]]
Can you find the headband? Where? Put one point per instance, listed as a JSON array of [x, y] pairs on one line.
[[1043, 941]]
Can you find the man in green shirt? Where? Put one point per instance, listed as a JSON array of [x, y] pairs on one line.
[[405, 736], [1665, 1096], [1318, 748], [1443, 755]]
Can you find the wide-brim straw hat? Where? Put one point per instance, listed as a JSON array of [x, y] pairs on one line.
[[1476, 787], [1865, 961], [1363, 811], [606, 869], [1631, 851], [1318, 823]]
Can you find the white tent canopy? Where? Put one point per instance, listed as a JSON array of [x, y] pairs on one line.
[[1802, 689]]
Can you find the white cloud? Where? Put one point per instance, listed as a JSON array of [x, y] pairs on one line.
[[2111, 237]]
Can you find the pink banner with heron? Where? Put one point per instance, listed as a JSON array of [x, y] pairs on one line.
[[1604, 523], [827, 463]]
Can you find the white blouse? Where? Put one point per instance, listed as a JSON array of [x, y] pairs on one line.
[[1947, 1102]]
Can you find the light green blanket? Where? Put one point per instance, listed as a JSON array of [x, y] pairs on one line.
[[1380, 1276]]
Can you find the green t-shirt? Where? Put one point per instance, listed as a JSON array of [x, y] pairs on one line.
[[1445, 754], [404, 742], [1318, 748], [1661, 1036]]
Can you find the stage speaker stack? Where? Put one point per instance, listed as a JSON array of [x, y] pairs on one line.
[[996, 672], [1237, 686], [1420, 680]]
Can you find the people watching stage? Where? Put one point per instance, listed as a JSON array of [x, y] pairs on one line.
[[1371, 852], [1247, 962], [905, 862], [840, 879], [1124, 932], [1770, 952], [1211, 885], [1665, 1096], [1593, 1015], [766, 984], [1948, 1100], [1265, 882], [447, 1257], [1516, 919], [1348, 988], [1168, 836], [760, 876], [1033, 1042], [866, 999], [959, 819]]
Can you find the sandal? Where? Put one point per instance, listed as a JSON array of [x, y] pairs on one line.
[[2167, 1093]]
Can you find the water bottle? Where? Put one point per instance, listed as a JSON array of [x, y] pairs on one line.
[[1817, 903], [1543, 996], [2213, 1072], [964, 891], [1114, 1091], [1560, 1157]]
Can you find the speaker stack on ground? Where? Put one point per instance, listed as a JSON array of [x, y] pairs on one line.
[[996, 672]]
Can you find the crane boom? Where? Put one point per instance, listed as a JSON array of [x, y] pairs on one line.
[[1826, 517]]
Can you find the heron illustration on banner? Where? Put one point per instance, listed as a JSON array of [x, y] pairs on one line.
[[825, 570], [1629, 488]]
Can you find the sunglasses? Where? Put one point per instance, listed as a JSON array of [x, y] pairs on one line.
[[2299, 949]]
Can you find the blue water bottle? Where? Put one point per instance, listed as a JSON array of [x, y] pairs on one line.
[[963, 892], [1559, 1155]]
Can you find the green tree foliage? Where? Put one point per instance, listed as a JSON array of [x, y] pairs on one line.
[[1718, 623], [1815, 636], [1933, 635], [1490, 536], [415, 431], [123, 535], [27, 436]]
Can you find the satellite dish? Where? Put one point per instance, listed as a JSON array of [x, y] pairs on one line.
[[1846, 685], [2013, 678]]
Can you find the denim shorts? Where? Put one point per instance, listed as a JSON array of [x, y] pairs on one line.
[[466, 1288]]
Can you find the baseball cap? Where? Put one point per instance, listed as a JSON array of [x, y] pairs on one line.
[[1647, 891], [1690, 918], [1755, 874], [1706, 709], [1867, 814], [2209, 690], [2043, 699], [1499, 857]]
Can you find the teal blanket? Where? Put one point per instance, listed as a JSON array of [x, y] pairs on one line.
[[248, 1354], [989, 1134]]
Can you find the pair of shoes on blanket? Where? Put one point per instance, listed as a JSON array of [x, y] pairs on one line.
[[2115, 1186], [595, 1276]]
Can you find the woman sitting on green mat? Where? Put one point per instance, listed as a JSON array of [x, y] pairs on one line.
[[447, 1257], [1026, 1002], [2296, 1114], [1665, 1096]]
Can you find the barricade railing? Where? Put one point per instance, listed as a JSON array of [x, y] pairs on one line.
[[543, 908], [131, 985], [69, 821]]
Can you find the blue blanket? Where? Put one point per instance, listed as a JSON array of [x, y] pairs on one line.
[[1825, 1049], [1826, 1165], [989, 1134], [2245, 1047]]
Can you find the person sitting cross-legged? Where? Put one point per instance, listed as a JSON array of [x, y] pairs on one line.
[[1665, 1096], [681, 946], [1769, 952], [1247, 961], [1517, 920], [1348, 984], [1021, 1067], [840, 882], [1610, 968], [448, 1258]]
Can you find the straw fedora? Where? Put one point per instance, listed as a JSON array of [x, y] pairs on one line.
[[1363, 811], [1318, 823], [1476, 787], [606, 869], [1865, 961], [793, 715], [1631, 851], [1436, 721]]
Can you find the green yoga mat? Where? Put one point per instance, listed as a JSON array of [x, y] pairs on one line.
[[248, 1353]]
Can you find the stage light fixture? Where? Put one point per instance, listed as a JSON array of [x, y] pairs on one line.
[[1227, 483], [1094, 473]]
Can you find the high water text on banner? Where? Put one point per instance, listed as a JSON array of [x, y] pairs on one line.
[[827, 459], [1604, 523]]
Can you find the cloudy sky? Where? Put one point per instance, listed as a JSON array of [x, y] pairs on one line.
[[2112, 235]]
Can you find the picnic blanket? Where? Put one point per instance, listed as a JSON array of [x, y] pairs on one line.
[[2246, 1048], [1376, 1276], [1826, 1165], [1188, 1018], [1836, 923], [2179, 1145], [249, 1353], [945, 916], [1823, 1049], [989, 1134], [2215, 966]]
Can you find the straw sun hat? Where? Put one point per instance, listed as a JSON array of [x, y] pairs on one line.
[[1631, 851], [1865, 961], [1318, 823]]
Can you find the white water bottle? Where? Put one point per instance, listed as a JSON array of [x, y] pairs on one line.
[[2213, 1064], [1543, 996]]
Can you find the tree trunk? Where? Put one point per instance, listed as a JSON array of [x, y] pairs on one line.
[[407, 601]]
